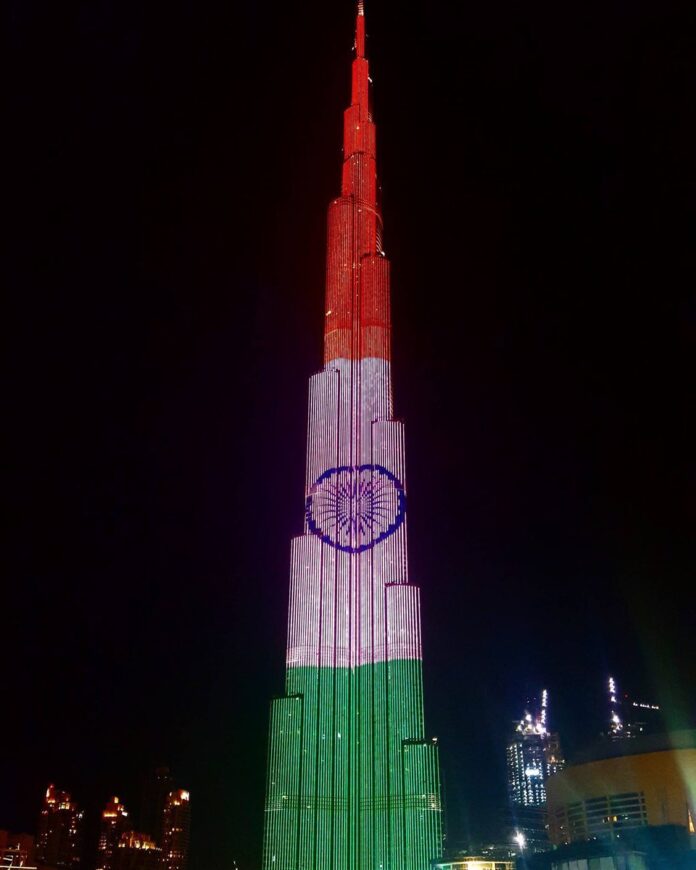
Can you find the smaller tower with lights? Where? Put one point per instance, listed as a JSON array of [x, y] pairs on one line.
[[114, 822], [59, 836], [533, 754], [176, 823]]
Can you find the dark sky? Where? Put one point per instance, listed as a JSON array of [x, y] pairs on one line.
[[172, 164]]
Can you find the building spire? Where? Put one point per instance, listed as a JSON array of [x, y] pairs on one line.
[[357, 320], [360, 30]]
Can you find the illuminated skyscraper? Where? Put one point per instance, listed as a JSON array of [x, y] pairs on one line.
[[353, 784], [114, 822], [59, 836], [176, 825], [533, 754]]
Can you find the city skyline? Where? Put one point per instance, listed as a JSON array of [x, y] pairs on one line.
[[159, 785], [166, 269], [65, 837]]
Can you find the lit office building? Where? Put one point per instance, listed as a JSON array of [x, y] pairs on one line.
[[59, 835], [176, 824], [533, 754], [113, 824]]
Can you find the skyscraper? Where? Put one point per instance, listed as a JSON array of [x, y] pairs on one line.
[[59, 837], [353, 784], [176, 824], [533, 754], [113, 823]]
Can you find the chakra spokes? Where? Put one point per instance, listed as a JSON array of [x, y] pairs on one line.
[[354, 508]]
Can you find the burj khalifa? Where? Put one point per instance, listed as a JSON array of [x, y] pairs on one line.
[[353, 783]]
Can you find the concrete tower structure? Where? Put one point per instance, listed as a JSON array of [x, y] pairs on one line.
[[353, 783]]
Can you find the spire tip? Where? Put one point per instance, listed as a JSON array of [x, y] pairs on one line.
[[360, 30]]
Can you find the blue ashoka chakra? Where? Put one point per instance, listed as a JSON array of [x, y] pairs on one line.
[[353, 509]]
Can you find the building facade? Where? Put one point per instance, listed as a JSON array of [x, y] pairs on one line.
[[114, 822], [624, 805], [137, 851], [353, 783], [533, 755], [618, 787], [59, 835], [176, 827]]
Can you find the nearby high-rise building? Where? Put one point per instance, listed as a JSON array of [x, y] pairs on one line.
[[533, 754], [59, 837], [353, 783], [114, 823], [176, 825]]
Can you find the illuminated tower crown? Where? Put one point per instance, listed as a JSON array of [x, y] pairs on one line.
[[352, 782]]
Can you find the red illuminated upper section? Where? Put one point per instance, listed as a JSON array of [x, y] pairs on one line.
[[357, 272]]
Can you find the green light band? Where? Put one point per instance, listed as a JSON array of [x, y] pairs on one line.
[[351, 783]]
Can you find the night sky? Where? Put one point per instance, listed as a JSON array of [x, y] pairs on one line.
[[170, 168]]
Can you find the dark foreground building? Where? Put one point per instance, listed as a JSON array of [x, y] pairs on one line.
[[114, 823], [137, 851], [625, 805], [353, 783], [59, 835], [156, 788]]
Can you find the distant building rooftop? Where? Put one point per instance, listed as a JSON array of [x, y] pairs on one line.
[[641, 745]]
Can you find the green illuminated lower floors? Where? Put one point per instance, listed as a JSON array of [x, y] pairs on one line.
[[352, 783]]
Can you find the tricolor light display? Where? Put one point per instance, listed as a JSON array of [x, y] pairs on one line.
[[353, 784]]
